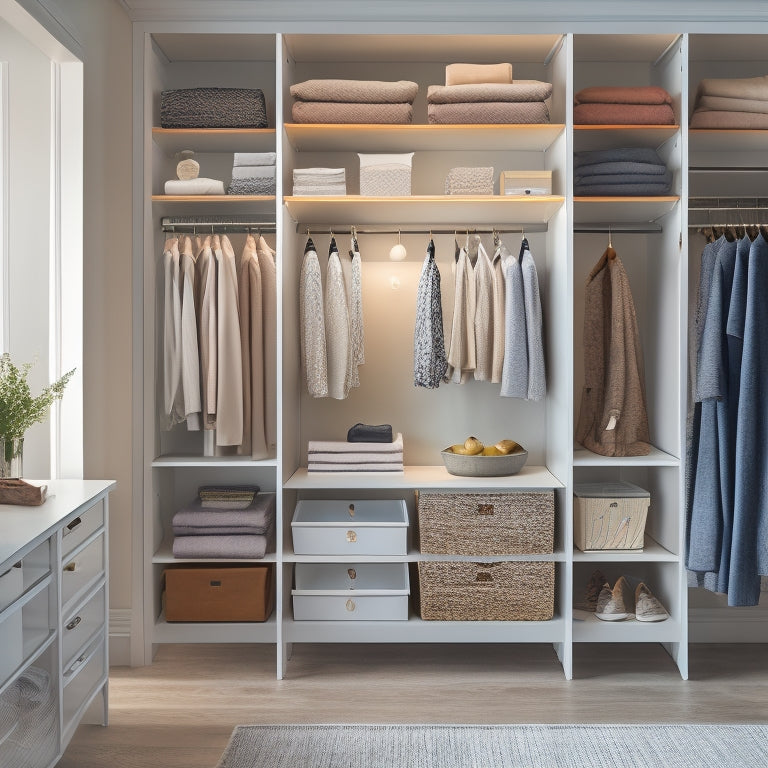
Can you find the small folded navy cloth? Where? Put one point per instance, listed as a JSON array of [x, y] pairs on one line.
[[367, 433]]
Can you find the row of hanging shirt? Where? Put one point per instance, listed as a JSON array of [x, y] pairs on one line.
[[496, 328], [331, 321], [727, 462], [219, 343]]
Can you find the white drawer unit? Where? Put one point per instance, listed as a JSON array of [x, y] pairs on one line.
[[53, 621], [351, 592], [351, 528]]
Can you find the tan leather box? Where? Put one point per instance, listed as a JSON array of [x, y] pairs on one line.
[[225, 593]]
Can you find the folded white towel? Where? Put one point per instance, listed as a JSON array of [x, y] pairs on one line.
[[386, 467], [253, 172], [311, 191], [356, 458], [342, 446], [199, 186], [255, 158]]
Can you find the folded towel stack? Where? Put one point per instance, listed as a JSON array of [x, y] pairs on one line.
[[736, 103], [340, 456], [626, 172], [469, 181], [353, 101], [319, 181], [217, 525], [198, 186], [486, 93], [253, 173], [615, 105]]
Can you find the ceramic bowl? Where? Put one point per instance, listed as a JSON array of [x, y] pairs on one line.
[[484, 466]]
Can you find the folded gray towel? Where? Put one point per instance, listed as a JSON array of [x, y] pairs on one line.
[[625, 178], [623, 154], [256, 518], [625, 166], [254, 172], [252, 187], [255, 158], [621, 190], [234, 547]]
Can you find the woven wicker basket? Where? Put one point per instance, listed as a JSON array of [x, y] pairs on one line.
[[500, 591], [519, 523]]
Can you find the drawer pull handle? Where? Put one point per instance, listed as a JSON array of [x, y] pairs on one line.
[[72, 624], [350, 605], [351, 510], [352, 573], [485, 509], [71, 527], [351, 537]]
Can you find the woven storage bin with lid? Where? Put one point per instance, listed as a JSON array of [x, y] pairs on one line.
[[609, 516], [500, 591], [520, 523]]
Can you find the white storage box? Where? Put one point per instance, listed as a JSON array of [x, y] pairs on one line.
[[351, 592], [385, 175], [609, 516], [351, 528], [525, 183]]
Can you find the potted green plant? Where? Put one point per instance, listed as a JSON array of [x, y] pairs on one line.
[[19, 411]]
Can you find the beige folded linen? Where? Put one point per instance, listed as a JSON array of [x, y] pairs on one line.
[[469, 181], [633, 94], [726, 104], [335, 112], [461, 74], [527, 112], [357, 91], [624, 114], [522, 90], [735, 88], [729, 120], [198, 186]]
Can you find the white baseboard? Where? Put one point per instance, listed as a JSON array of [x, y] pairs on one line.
[[728, 625], [119, 637]]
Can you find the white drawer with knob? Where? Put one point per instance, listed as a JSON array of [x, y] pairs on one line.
[[351, 528], [81, 625], [351, 592]]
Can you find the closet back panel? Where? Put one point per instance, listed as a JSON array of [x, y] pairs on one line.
[[430, 420]]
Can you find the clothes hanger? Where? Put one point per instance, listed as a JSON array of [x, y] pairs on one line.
[[608, 255], [524, 246], [431, 249]]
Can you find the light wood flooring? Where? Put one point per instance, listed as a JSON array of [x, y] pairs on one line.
[[180, 711]]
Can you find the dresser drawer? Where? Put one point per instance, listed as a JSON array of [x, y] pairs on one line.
[[82, 569], [84, 676], [78, 530], [82, 625]]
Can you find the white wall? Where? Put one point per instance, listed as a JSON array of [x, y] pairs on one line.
[[29, 121]]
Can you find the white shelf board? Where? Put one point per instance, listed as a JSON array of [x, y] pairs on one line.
[[415, 630], [414, 556], [420, 47], [215, 631], [424, 209], [412, 477], [211, 461], [621, 210], [593, 630], [164, 554], [725, 140], [217, 199], [410, 138], [656, 458], [173, 140], [591, 137], [652, 552]]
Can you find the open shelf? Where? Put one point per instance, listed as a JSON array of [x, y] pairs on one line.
[[416, 630], [609, 210], [409, 138], [592, 630], [211, 461], [164, 554], [591, 137], [652, 552], [420, 209], [216, 631], [173, 140], [528, 478], [656, 458]]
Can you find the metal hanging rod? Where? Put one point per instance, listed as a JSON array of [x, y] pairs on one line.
[[620, 229], [214, 223], [352, 231], [722, 203], [729, 169]]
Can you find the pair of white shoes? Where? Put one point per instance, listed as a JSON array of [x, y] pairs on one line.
[[622, 602]]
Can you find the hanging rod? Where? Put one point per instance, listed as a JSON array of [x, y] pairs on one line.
[[728, 169], [347, 230], [621, 229], [220, 223], [723, 203]]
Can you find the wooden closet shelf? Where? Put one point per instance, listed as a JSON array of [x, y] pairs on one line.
[[407, 138], [172, 140], [453, 210]]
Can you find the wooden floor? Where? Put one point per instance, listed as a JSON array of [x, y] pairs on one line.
[[180, 711]]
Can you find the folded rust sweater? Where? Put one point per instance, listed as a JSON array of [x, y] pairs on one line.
[[623, 114], [609, 94]]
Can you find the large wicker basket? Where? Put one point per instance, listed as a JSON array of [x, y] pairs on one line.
[[520, 523], [499, 591]]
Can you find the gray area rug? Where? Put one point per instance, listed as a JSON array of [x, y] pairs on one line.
[[497, 746]]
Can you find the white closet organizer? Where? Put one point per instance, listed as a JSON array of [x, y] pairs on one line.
[[566, 235]]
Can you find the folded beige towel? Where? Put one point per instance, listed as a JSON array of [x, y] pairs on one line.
[[350, 112], [522, 90], [357, 91], [460, 74], [735, 88], [493, 112], [729, 120], [726, 104]]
